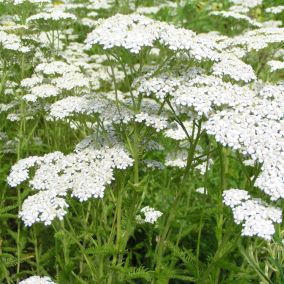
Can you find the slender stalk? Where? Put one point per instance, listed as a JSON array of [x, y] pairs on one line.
[[19, 246], [220, 218], [165, 234], [37, 257], [202, 212]]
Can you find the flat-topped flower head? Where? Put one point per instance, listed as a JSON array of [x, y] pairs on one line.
[[36, 2], [135, 32], [256, 130], [256, 40], [275, 65], [156, 121], [53, 15], [42, 91], [234, 68], [12, 43], [275, 10], [176, 159], [37, 280], [72, 80], [132, 32], [44, 207], [84, 174], [237, 17], [150, 215], [256, 217], [249, 4], [56, 68], [53, 19]]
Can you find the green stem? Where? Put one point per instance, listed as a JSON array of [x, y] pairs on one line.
[[220, 218], [202, 211], [19, 247], [165, 234]]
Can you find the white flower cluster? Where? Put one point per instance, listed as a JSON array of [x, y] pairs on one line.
[[256, 218], [275, 10], [256, 129], [151, 145], [13, 117], [106, 107], [101, 4], [177, 159], [31, 82], [11, 42], [84, 174], [153, 164], [41, 91], [204, 93], [56, 68], [236, 16], [87, 105], [245, 3], [148, 10], [159, 86], [204, 166], [61, 77], [275, 65], [156, 121], [37, 280], [44, 207], [239, 9], [131, 32], [6, 107], [19, 2], [20, 171], [54, 16], [75, 105], [272, 24], [255, 40], [72, 80], [234, 68], [134, 32], [177, 132], [151, 215], [201, 190]]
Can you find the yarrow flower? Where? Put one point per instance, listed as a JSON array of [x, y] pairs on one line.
[[150, 215], [255, 40], [256, 218], [275, 65], [249, 4], [234, 68], [37, 280], [176, 159], [42, 91], [71, 81], [236, 16], [135, 32], [155, 121], [56, 67], [44, 207], [255, 128], [201, 190], [131, 32], [11, 42], [84, 174], [55, 16], [275, 10], [19, 2]]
